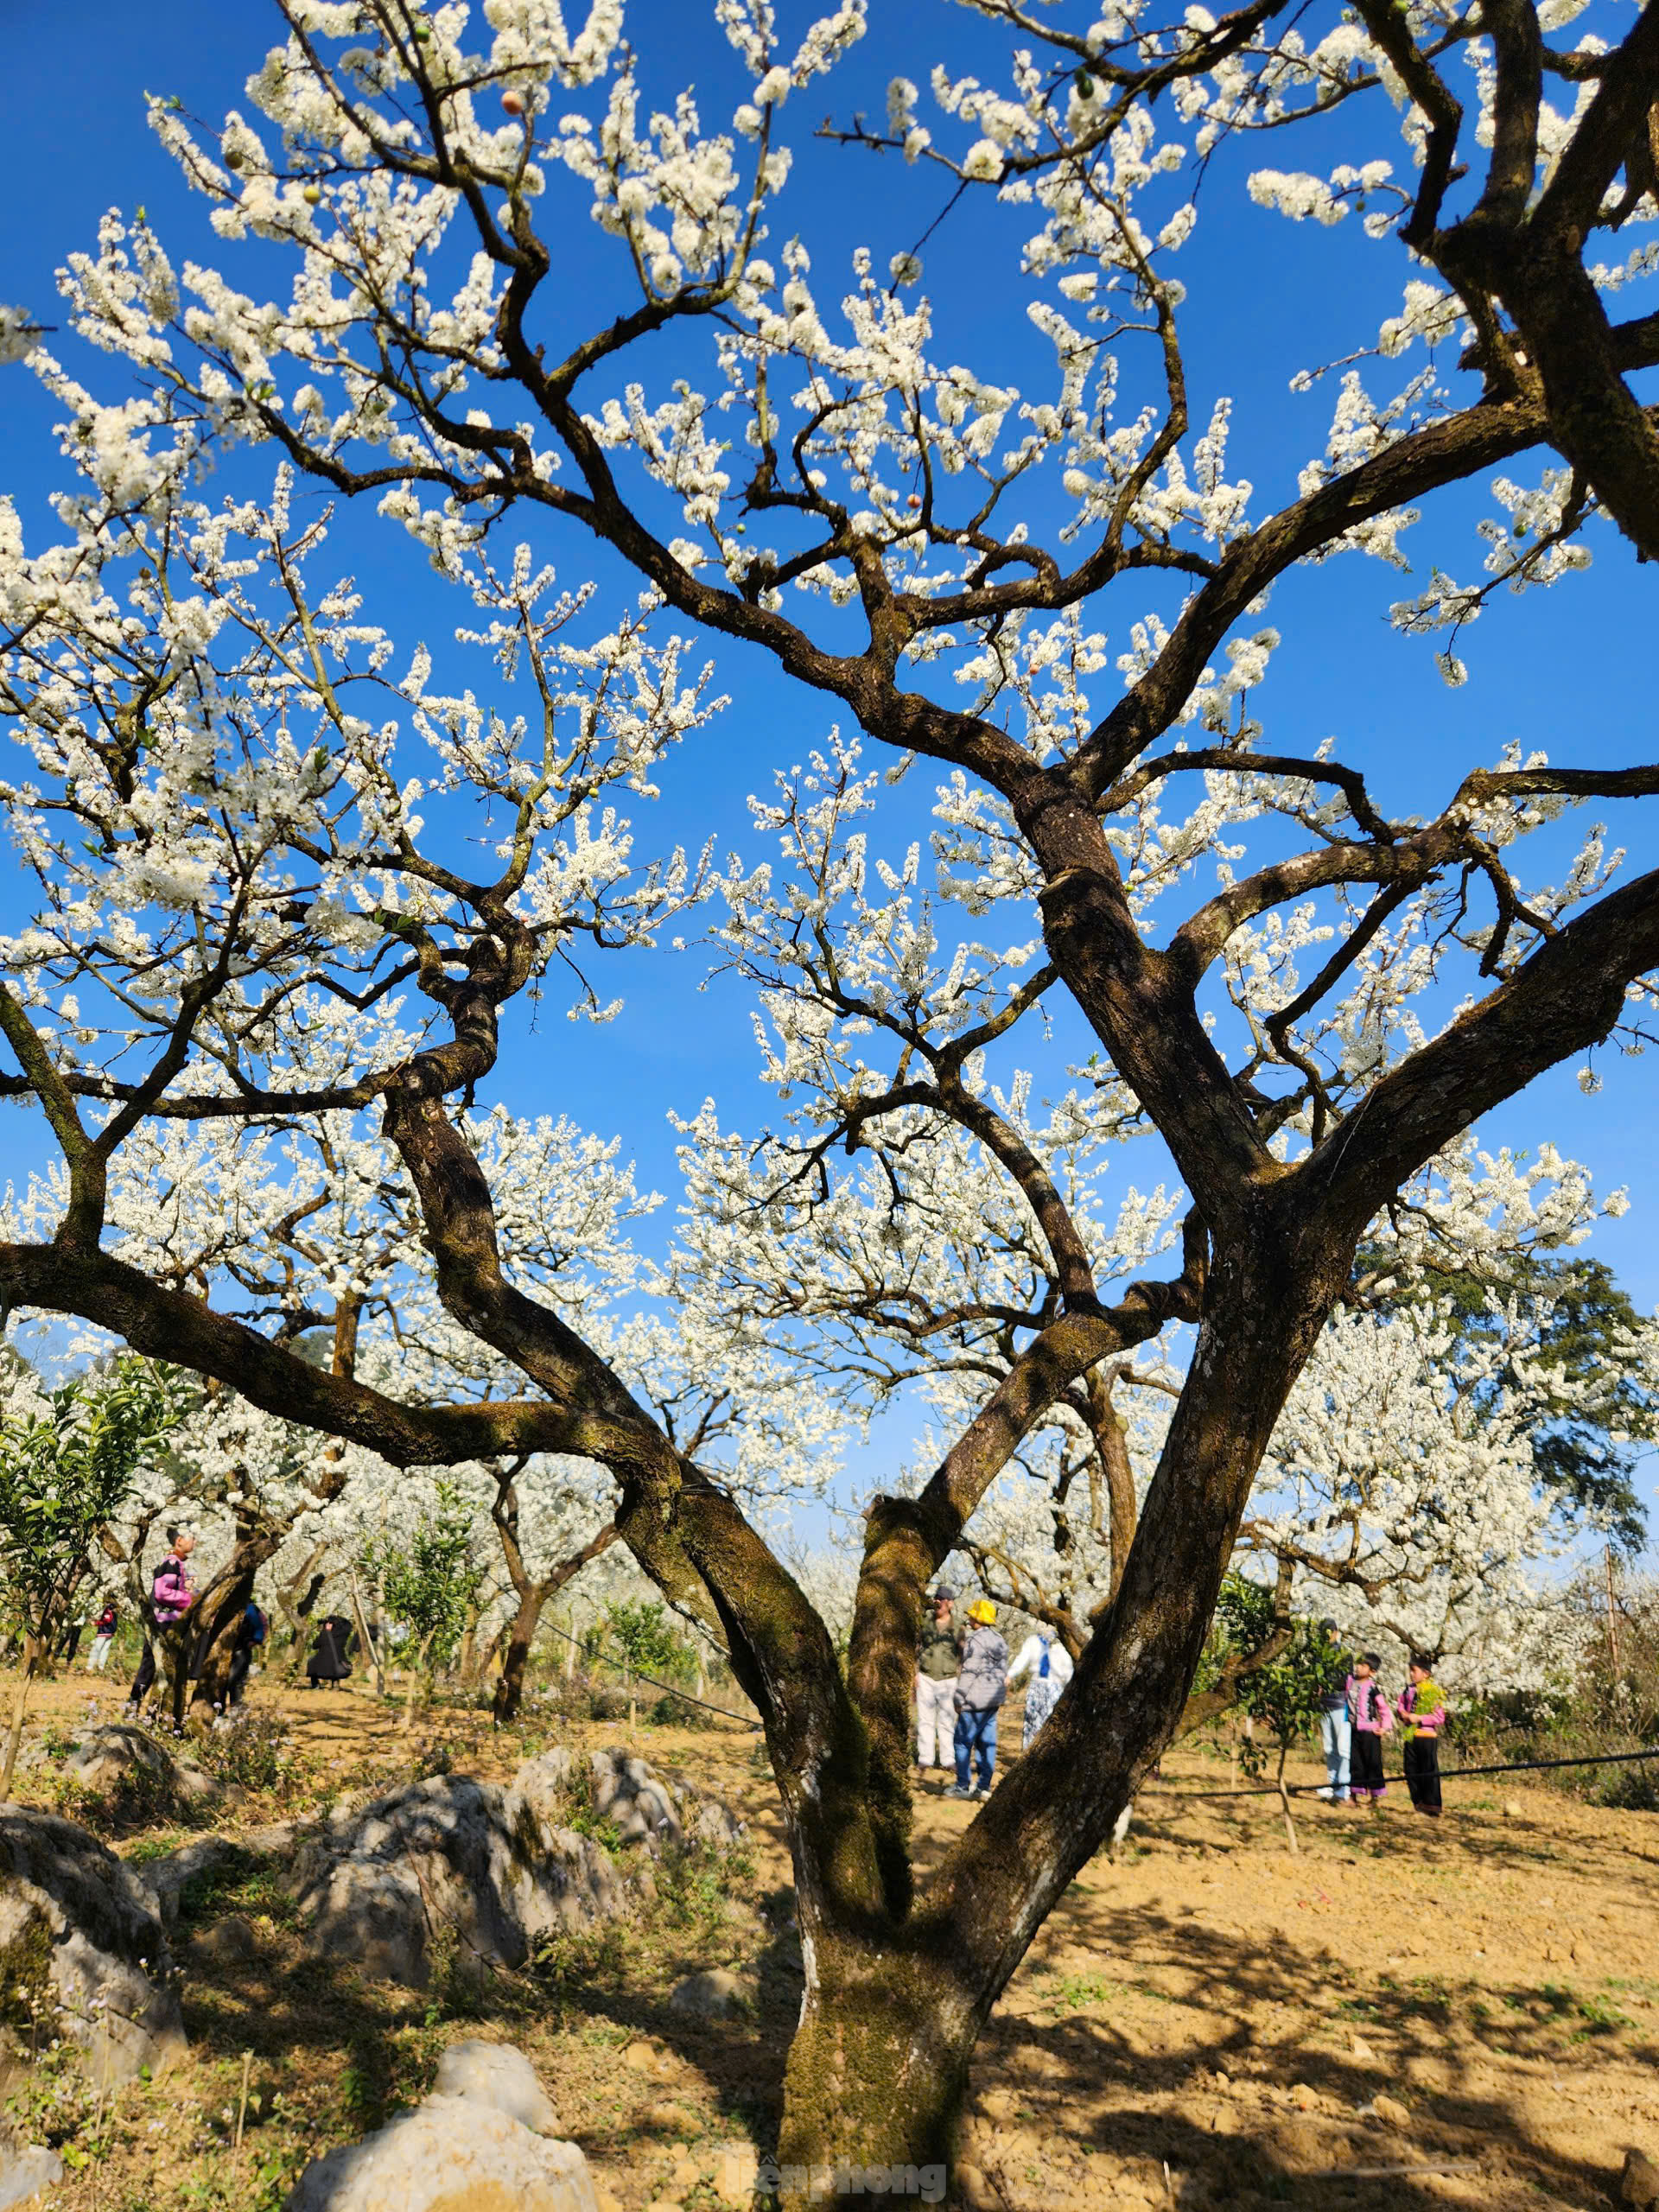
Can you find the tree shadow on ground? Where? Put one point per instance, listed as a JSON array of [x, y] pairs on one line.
[[1240, 2063], [1240, 2113]]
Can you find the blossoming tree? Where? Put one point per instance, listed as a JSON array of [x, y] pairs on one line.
[[235, 855]]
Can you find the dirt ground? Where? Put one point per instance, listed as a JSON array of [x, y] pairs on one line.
[[1207, 2022]]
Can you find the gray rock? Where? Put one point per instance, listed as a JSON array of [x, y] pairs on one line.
[[25, 2174], [498, 2074], [547, 1784], [103, 1758], [635, 1799], [1639, 2185], [643, 1805], [372, 1885], [707, 1820], [228, 1942], [80, 1933], [448, 2153], [716, 1994], [102, 1755]]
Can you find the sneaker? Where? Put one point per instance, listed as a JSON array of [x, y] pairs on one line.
[[979, 1795], [955, 1790]]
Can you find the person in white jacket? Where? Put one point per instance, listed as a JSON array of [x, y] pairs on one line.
[[1045, 1659]]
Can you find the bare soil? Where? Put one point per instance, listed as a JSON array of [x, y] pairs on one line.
[[1210, 2021]]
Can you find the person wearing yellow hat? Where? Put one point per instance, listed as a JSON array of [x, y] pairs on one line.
[[981, 1688]]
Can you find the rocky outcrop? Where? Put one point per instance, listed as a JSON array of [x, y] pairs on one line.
[[82, 1939], [634, 1798], [105, 1758], [375, 1884], [449, 2153], [25, 2174], [498, 2074], [716, 1994], [549, 1785], [707, 1820], [648, 1807]]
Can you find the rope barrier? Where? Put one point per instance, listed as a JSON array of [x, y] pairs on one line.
[[738, 1720], [1447, 1774], [1163, 1789]]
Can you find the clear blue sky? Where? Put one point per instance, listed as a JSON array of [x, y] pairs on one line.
[[1569, 670]]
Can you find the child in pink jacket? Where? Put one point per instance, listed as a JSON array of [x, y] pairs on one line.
[[1372, 1717]]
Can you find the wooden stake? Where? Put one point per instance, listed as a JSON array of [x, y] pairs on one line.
[[1612, 1617], [1387, 2173], [1290, 1825], [242, 2108], [371, 1650]]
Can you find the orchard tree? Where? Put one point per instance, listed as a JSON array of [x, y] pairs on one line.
[[431, 1582], [914, 1223], [69, 1459], [1590, 1429], [1307, 989], [321, 1248]]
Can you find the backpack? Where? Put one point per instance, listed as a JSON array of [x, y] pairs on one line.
[[1042, 1671]]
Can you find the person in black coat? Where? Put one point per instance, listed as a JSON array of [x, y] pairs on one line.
[[330, 1662], [250, 1632]]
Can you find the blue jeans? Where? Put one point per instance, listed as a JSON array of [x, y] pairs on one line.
[[1336, 1741], [976, 1733]]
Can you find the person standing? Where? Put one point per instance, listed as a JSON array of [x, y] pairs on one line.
[[981, 1688], [330, 1665], [1047, 1660], [1372, 1717], [172, 1593], [250, 1632], [1335, 1724], [103, 1637], [1422, 1710], [937, 1667]]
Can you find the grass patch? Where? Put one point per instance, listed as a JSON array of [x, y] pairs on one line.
[[1080, 1992]]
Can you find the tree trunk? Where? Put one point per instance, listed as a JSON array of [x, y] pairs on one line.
[[416, 1676], [897, 1988], [532, 1598], [19, 1708], [878, 2069], [510, 1690], [211, 1619], [371, 1649], [296, 1610], [468, 1643], [1284, 1798], [1112, 1444]]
